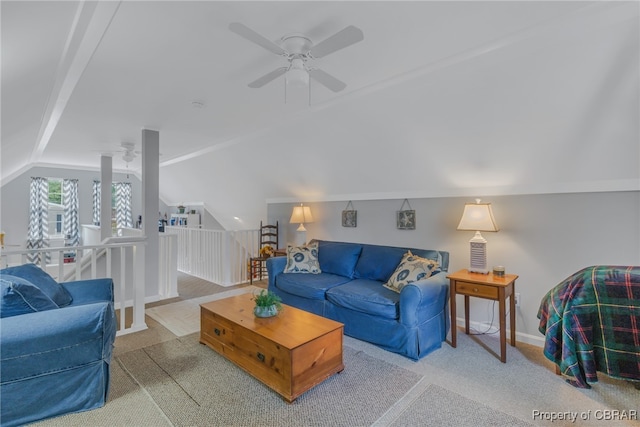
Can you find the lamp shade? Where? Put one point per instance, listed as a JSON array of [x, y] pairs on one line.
[[477, 217], [301, 215]]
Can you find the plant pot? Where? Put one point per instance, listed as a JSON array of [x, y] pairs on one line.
[[265, 311]]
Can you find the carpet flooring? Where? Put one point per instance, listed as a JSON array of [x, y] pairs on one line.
[[448, 385], [181, 382], [437, 406], [193, 385]]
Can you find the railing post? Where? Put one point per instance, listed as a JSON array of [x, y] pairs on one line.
[[138, 286]]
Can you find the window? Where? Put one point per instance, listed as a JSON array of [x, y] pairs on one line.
[[56, 208], [120, 208]]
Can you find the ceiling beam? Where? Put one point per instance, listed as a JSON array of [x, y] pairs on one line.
[[89, 26]]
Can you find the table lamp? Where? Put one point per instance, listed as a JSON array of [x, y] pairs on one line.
[[478, 217], [301, 214]]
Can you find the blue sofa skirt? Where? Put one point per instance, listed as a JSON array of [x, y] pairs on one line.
[[56, 362], [413, 342]]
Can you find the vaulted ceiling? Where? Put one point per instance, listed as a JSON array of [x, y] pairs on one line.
[[442, 98]]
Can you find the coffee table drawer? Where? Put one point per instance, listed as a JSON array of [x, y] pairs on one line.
[[262, 358], [217, 331]]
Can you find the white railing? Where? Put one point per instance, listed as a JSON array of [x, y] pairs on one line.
[[122, 260], [219, 256], [168, 264]]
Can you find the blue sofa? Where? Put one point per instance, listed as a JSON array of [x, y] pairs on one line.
[[56, 342], [350, 290]]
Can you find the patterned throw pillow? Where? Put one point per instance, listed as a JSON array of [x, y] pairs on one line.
[[411, 269], [302, 259]]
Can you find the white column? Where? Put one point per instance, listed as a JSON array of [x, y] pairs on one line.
[[106, 177], [150, 206]]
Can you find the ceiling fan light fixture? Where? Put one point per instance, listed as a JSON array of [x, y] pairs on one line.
[[297, 75], [128, 157]]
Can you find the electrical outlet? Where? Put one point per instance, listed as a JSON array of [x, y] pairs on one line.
[[517, 299]]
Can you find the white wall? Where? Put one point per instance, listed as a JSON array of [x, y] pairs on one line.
[[542, 238]]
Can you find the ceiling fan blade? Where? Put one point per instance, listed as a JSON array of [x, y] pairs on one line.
[[327, 80], [339, 40], [249, 34], [267, 78]]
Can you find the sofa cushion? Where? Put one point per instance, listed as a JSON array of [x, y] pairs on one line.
[[410, 269], [366, 296], [20, 297], [312, 286], [338, 258], [302, 259], [378, 262], [40, 279]]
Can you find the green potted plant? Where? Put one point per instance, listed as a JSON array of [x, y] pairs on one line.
[[268, 304]]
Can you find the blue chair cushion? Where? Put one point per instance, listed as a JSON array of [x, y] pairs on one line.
[[40, 279], [338, 258], [20, 297], [366, 296], [312, 286]]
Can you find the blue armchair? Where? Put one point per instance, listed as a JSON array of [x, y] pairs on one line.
[[56, 343]]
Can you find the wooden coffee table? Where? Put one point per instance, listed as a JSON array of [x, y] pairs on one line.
[[290, 353]]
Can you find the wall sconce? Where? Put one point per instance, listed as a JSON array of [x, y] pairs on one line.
[[478, 217], [301, 214]]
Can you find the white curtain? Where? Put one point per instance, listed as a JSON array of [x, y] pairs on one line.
[[38, 235], [71, 221], [96, 202], [124, 218]]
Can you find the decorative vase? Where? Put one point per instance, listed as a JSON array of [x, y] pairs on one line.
[[265, 311]]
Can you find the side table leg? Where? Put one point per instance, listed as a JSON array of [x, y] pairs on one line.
[[503, 321], [452, 304], [466, 314], [512, 312]]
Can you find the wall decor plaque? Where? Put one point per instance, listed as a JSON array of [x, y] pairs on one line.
[[406, 219], [349, 216]]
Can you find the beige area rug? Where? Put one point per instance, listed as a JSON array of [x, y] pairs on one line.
[[183, 317], [194, 386], [128, 405], [437, 406]]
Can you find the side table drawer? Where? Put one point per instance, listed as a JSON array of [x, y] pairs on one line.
[[476, 290]]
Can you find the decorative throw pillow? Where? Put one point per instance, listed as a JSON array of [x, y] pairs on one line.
[[302, 259], [411, 269], [42, 280], [17, 296]]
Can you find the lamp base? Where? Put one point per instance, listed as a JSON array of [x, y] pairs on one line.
[[478, 256]]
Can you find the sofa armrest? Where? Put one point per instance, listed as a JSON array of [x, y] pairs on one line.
[[275, 266], [55, 340], [90, 291], [421, 300]]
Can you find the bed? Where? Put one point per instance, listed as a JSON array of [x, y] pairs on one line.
[[591, 323]]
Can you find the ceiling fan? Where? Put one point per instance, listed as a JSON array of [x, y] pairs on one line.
[[129, 150], [298, 50]]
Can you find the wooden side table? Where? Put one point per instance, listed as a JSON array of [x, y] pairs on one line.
[[485, 286]]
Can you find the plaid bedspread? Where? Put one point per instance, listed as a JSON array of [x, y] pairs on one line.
[[591, 322]]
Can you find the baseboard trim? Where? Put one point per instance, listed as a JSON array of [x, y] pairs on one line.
[[492, 329]]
